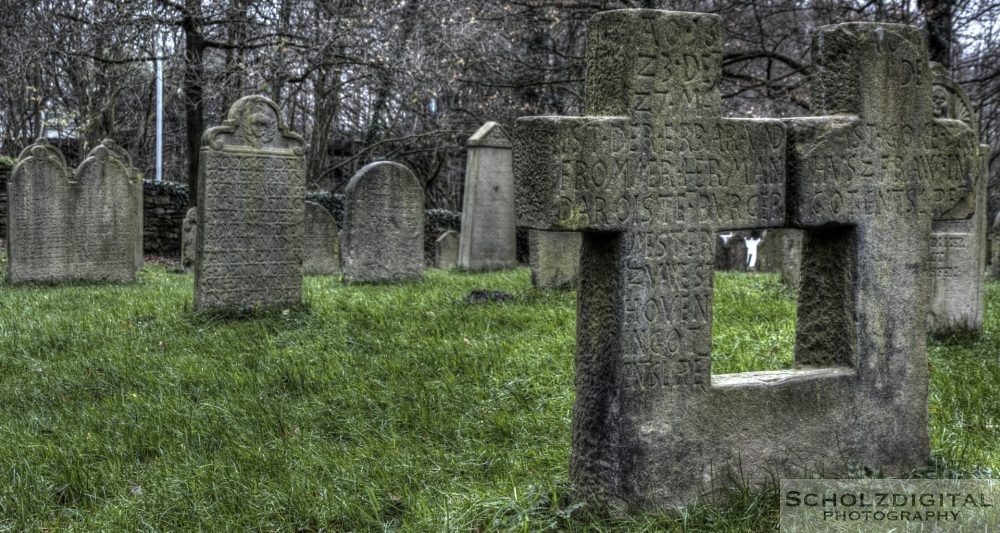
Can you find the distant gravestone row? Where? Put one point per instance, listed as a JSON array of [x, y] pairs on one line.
[[650, 177], [66, 225]]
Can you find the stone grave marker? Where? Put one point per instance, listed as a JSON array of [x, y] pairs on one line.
[[321, 247], [782, 253], [653, 173], [250, 214], [958, 247], [731, 251], [488, 238], [383, 225], [446, 249], [189, 239], [554, 258], [64, 225]]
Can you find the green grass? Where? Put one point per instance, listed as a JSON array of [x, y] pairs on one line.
[[369, 408]]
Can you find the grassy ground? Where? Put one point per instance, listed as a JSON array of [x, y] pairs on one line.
[[370, 408]]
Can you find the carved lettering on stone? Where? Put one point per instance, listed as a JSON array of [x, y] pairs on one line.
[[251, 211], [83, 225]]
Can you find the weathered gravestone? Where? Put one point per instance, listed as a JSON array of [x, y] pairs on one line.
[[781, 252], [83, 225], [251, 190], [321, 247], [958, 247], [488, 238], [554, 258], [731, 251], [653, 174], [383, 225], [189, 239], [446, 249]]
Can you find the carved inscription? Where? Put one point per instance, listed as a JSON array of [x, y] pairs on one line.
[[251, 252], [947, 250], [81, 225], [922, 177]]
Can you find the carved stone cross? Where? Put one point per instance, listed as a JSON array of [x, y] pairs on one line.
[[653, 173]]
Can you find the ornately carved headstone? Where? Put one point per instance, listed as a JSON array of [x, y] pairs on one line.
[[189, 239], [251, 191], [488, 238], [82, 225], [383, 225], [321, 247], [958, 247], [653, 174], [554, 258]]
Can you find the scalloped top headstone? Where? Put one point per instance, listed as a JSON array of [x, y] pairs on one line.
[[250, 215], [65, 225], [958, 247]]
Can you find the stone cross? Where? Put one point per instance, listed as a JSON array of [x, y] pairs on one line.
[[74, 225], [251, 191], [650, 176]]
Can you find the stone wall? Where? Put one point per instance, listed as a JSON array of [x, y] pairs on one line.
[[164, 205], [5, 170]]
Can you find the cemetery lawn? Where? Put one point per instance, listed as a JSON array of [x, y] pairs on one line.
[[369, 408]]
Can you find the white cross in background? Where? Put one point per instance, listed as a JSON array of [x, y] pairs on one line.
[[752, 244]]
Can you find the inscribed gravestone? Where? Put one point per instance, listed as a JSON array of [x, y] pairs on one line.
[[653, 174], [82, 225], [321, 247], [446, 249], [554, 257], [488, 237], [383, 225], [251, 191], [958, 247], [781, 252], [189, 239]]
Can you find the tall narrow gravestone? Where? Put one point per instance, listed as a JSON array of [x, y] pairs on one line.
[[446, 249], [653, 174], [488, 239], [383, 225], [321, 246], [958, 247], [82, 225], [251, 190]]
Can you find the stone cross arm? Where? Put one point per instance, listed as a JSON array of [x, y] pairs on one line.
[[597, 174]]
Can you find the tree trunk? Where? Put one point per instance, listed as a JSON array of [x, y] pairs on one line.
[[194, 106], [939, 27]]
